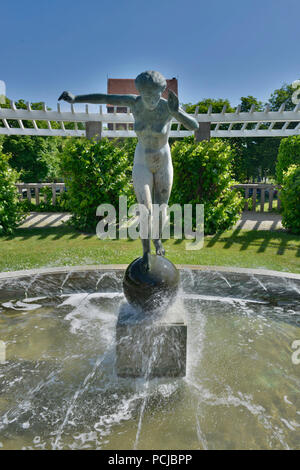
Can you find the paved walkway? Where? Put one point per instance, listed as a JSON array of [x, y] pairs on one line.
[[45, 219], [249, 220], [260, 221]]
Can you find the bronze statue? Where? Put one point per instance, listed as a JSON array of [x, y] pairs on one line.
[[152, 168]]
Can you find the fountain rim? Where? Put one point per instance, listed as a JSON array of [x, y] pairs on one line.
[[122, 267]]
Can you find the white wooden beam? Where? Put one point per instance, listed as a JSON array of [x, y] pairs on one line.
[[243, 118], [41, 132]]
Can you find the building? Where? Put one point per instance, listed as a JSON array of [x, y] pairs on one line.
[[125, 86]]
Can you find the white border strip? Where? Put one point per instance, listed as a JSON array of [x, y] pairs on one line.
[[122, 267]]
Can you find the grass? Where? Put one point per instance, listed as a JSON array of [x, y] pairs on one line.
[[61, 246], [266, 207]]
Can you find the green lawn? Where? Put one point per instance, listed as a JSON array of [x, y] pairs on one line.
[[266, 207], [61, 246]]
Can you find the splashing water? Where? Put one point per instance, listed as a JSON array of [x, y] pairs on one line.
[[59, 389]]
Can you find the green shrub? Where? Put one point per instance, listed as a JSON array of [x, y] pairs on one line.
[[203, 175], [95, 173], [10, 210], [290, 199], [37, 157], [288, 154]]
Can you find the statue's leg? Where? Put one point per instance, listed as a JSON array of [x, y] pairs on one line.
[[163, 180], [143, 186]]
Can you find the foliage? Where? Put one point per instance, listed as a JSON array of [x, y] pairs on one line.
[[255, 158], [203, 175], [10, 211], [38, 106], [128, 144], [290, 199], [46, 205], [280, 96], [248, 101], [37, 157], [288, 154], [95, 173], [216, 105]]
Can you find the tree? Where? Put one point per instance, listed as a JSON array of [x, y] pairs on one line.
[[37, 158], [255, 156], [280, 96], [217, 106], [38, 106], [248, 101]]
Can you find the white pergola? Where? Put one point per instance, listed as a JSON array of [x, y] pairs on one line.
[[251, 124]]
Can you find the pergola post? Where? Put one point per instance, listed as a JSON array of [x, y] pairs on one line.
[[93, 130], [203, 132]]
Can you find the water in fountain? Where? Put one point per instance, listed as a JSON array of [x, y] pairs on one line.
[[59, 387]]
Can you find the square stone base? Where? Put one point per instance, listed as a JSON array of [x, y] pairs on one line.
[[157, 350]]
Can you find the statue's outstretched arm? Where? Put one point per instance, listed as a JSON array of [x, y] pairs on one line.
[[99, 98], [185, 119]]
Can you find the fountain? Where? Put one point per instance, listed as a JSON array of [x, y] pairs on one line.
[[72, 343], [59, 384]]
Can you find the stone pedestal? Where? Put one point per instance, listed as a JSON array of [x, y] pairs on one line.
[[151, 350], [147, 344]]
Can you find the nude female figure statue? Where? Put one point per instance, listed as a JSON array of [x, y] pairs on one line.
[[152, 168]]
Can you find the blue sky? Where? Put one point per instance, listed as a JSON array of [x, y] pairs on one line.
[[216, 49]]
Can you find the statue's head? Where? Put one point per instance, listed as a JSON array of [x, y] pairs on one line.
[[151, 85]]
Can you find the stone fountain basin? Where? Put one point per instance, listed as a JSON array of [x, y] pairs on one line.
[[59, 387], [272, 286]]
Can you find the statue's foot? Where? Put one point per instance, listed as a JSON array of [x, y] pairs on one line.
[[160, 251], [146, 263]]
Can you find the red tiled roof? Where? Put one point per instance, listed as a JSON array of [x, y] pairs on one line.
[[124, 86]]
